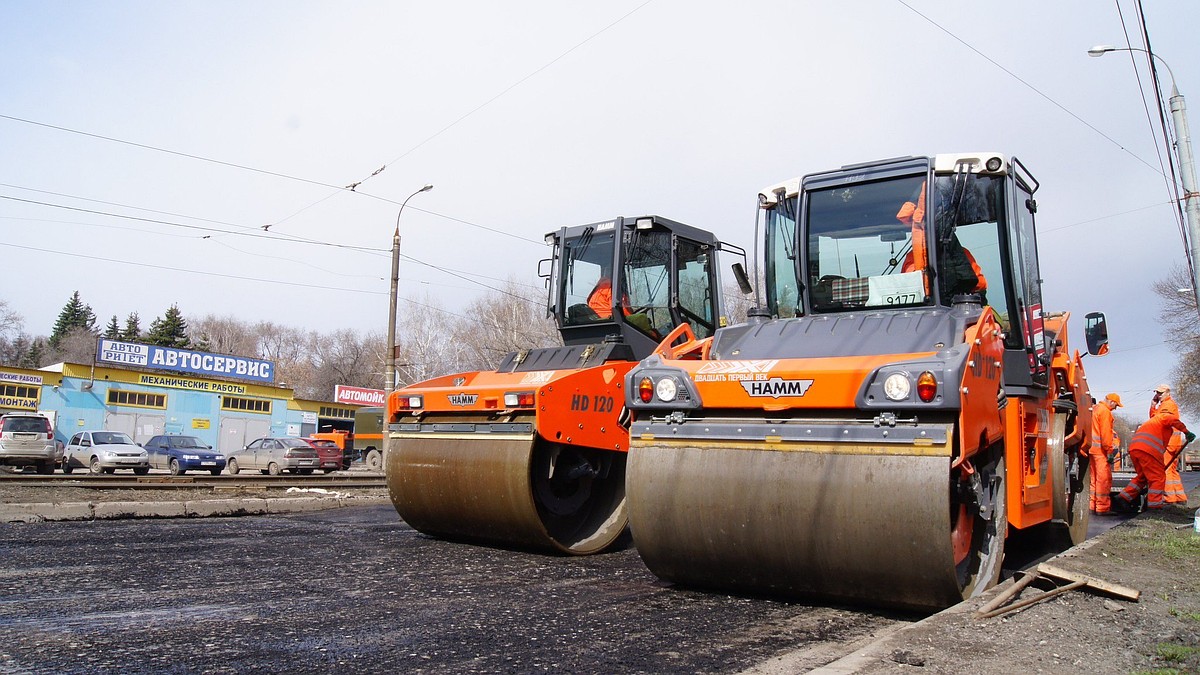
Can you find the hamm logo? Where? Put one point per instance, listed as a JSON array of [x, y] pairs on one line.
[[776, 387], [463, 399]]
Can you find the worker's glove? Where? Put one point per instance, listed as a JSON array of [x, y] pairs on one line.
[[1112, 457], [1189, 436]]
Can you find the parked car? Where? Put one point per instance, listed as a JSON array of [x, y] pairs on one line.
[[104, 452], [27, 439], [274, 456], [1191, 458], [180, 454], [329, 454]]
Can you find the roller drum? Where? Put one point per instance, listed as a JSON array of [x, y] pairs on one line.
[[508, 489], [855, 526]]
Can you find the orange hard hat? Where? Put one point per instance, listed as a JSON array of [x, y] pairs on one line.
[[1115, 399]]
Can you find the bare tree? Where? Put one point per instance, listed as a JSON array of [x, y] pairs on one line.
[[429, 343], [344, 357], [509, 319], [1178, 316], [224, 335], [77, 345]]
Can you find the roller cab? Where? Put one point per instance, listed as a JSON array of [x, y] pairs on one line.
[[895, 405], [533, 454]]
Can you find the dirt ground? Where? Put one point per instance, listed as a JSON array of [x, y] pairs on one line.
[[1077, 632]]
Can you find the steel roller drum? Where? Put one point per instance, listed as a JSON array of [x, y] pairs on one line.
[[836, 521], [499, 488]]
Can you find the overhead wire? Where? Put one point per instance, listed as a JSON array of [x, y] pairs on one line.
[[1018, 78]]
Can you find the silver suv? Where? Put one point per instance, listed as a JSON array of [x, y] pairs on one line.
[[27, 439]]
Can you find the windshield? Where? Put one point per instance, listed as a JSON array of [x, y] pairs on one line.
[[586, 280], [866, 245], [107, 437], [187, 442]]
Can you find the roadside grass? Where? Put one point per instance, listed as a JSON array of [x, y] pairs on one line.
[[1185, 615]]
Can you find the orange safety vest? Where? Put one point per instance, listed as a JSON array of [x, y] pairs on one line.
[[1102, 428], [1154, 434], [600, 299]]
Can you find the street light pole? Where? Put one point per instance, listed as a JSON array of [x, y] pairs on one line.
[[389, 374], [1183, 152]]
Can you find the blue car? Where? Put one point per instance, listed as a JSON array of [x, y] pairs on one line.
[[180, 454]]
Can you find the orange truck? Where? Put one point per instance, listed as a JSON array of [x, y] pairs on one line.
[[365, 442], [897, 405], [533, 453]]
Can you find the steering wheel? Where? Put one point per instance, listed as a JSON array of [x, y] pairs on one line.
[[831, 278]]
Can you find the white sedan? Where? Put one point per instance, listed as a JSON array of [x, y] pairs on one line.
[[104, 452]]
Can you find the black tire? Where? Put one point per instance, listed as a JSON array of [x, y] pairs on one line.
[[374, 460], [215, 472], [66, 466], [233, 467], [175, 468], [110, 471], [45, 468], [304, 472], [94, 467], [329, 471], [273, 469], [141, 470]]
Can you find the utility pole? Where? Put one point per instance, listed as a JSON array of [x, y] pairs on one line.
[[389, 373]]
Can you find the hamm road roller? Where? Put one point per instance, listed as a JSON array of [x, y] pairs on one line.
[[533, 453], [896, 405]]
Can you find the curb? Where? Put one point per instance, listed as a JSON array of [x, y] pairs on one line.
[[198, 508]]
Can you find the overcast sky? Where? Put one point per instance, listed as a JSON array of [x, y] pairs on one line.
[[145, 145]]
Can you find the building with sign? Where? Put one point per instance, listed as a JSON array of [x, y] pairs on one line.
[[225, 414]]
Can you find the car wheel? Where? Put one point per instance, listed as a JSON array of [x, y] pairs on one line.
[[273, 469], [304, 472], [67, 468], [141, 470], [233, 467], [174, 467], [45, 468], [328, 471], [215, 472], [110, 471], [95, 467]]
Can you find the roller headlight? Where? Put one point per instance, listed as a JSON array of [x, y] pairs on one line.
[[897, 387], [666, 390]]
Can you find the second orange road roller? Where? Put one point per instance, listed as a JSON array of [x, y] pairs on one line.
[[532, 454], [897, 405]]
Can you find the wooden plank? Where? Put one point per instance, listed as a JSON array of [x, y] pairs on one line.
[[1007, 594], [1115, 590]]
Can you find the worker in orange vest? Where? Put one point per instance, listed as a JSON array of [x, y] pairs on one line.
[[600, 299], [1148, 449], [1101, 451], [1173, 485]]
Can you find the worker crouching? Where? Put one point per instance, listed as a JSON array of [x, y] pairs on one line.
[[1148, 450]]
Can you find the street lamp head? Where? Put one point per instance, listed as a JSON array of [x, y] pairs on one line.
[[1101, 50], [427, 188]]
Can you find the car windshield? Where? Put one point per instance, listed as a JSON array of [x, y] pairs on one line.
[[187, 442], [110, 437]]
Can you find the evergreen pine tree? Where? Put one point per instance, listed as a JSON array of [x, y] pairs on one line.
[[170, 330], [75, 314], [133, 328], [113, 330]]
